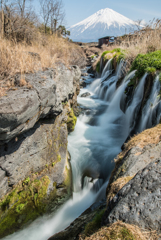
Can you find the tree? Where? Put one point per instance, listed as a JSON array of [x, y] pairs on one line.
[[45, 11], [2, 21], [57, 14], [52, 13], [21, 4], [62, 30], [17, 20]]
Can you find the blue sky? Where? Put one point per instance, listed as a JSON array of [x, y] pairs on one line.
[[78, 10]]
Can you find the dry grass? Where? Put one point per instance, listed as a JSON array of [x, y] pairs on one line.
[[142, 41], [116, 186], [149, 136], [45, 53], [122, 231]]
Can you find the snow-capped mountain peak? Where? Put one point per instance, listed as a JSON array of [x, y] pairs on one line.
[[105, 22]]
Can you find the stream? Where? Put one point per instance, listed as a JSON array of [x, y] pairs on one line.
[[102, 128]]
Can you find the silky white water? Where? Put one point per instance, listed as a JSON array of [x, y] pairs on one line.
[[101, 129], [150, 108]]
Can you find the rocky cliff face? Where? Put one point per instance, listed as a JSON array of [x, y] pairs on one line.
[[33, 144]]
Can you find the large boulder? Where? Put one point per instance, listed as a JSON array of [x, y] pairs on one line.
[[138, 202]]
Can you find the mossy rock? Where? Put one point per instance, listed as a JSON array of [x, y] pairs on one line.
[[26, 202], [95, 224], [98, 67], [117, 53], [71, 121], [68, 178]]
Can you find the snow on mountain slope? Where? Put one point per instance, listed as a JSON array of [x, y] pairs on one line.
[[105, 22]]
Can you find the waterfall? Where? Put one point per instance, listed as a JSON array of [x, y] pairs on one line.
[[105, 74], [150, 108], [101, 85], [133, 108], [97, 139], [107, 67], [114, 120]]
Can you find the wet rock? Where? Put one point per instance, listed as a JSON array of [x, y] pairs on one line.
[[138, 202], [77, 110], [83, 84], [87, 94]]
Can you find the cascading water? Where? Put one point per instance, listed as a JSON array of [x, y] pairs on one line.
[[133, 108], [94, 87], [97, 139], [107, 67], [149, 113], [105, 89]]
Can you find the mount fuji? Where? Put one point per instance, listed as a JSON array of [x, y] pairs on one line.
[[105, 22]]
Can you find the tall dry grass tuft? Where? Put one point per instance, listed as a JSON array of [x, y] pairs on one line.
[[122, 231], [42, 53]]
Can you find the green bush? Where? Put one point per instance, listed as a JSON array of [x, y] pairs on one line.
[[151, 70], [144, 62]]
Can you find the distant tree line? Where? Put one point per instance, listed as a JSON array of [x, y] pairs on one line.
[[18, 20]]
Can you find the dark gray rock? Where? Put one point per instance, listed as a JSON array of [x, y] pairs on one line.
[[136, 159], [87, 94], [139, 201], [83, 84]]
